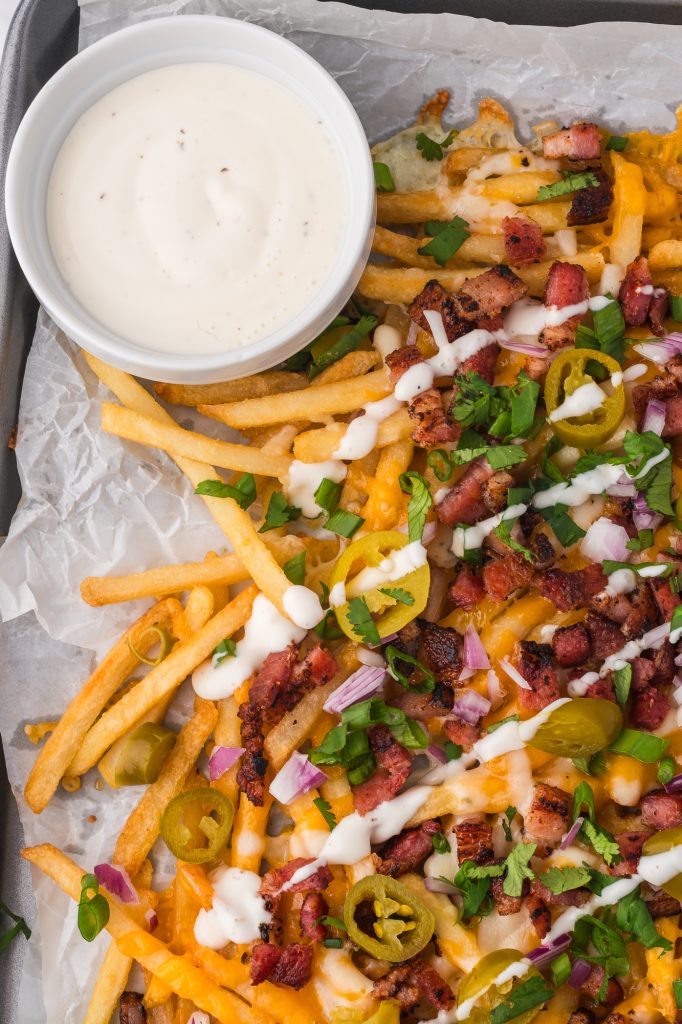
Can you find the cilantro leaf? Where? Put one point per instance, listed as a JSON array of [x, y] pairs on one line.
[[643, 540], [446, 240], [622, 679], [528, 995], [565, 529], [504, 532], [657, 482], [601, 840], [632, 915], [571, 183], [393, 655], [432, 150], [325, 809], [19, 926], [225, 649], [509, 816], [383, 179], [362, 622], [278, 513], [243, 491], [517, 869], [475, 891], [398, 594], [560, 880], [420, 502]]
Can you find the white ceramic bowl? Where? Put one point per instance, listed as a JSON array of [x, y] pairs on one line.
[[119, 57]]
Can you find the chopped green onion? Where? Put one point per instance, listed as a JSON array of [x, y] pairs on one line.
[[666, 770], [19, 926], [571, 183], [327, 495], [294, 569], [561, 970], [643, 746], [677, 994], [440, 843], [323, 356], [453, 751], [494, 726], [383, 179], [93, 909], [243, 491], [333, 943], [344, 523], [617, 142], [676, 307]]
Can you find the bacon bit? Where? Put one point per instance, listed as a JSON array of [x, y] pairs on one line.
[[581, 141], [393, 768], [466, 590], [632, 296], [539, 914], [461, 733], [630, 846], [605, 636], [434, 297], [649, 709], [401, 360], [523, 241], [595, 980], [591, 205], [477, 494], [536, 667], [474, 842], [658, 311], [504, 575], [570, 590], [313, 908], [433, 424], [412, 982], [572, 898], [567, 285], [571, 645], [661, 810], [487, 294], [484, 361], [547, 819], [442, 651], [505, 905], [408, 850], [291, 966]]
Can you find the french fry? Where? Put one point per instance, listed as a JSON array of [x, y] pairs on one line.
[[160, 683], [141, 830], [199, 609], [317, 445], [384, 494], [248, 833], [666, 255], [63, 742], [476, 249], [193, 878], [110, 984], [173, 579], [233, 520], [314, 404], [353, 364], [157, 994], [629, 204], [183, 977], [290, 732], [274, 382], [133, 426]]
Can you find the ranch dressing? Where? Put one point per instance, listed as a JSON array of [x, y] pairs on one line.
[[196, 208]]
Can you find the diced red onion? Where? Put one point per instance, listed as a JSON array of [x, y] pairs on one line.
[[495, 694], [543, 955], [605, 539], [474, 653], [675, 785], [296, 777], [643, 517], [580, 972], [437, 327], [439, 885], [152, 919], [116, 880], [654, 417], [222, 759], [623, 488], [363, 683], [661, 352], [514, 674], [436, 753], [412, 334], [471, 707], [572, 833], [384, 640], [199, 1017], [524, 347]]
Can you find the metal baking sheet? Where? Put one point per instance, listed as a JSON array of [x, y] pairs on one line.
[[43, 36]]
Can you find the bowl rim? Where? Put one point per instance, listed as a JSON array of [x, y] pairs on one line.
[[174, 367]]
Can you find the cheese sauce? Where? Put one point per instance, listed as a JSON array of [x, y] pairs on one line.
[[196, 208]]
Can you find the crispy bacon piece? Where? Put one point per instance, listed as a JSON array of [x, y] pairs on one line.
[[442, 648], [636, 291], [547, 818], [663, 387], [673, 417], [487, 294], [253, 763], [290, 966], [643, 671], [484, 361], [433, 424], [474, 842], [572, 898], [665, 669], [661, 904], [393, 767], [658, 311], [567, 285], [595, 979], [408, 850], [539, 914], [603, 689], [523, 241], [648, 709], [313, 908], [581, 141], [583, 1016], [591, 205], [630, 846], [504, 905], [642, 614], [537, 668], [504, 575], [571, 645], [131, 1009], [275, 879], [570, 590], [661, 810], [434, 297], [605, 636], [412, 982], [408, 641], [462, 733], [401, 360], [466, 590], [478, 493]]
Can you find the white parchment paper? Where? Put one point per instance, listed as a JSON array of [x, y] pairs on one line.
[[93, 504]]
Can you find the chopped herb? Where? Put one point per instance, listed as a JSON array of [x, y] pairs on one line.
[[440, 843], [675, 583], [531, 993], [383, 179], [551, 471], [333, 943], [362, 622], [446, 241], [243, 491], [325, 809], [328, 628], [657, 483], [666, 770], [597, 941], [475, 891], [509, 816], [344, 523], [225, 649], [504, 532], [393, 655], [565, 529], [294, 569], [617, 142], [19, 926], [398, 594], [347, 744], [560, 880], [622, 679], [327, 495], [432, 150], [642, 541], [453, 751], [643, 746], [420, 502], [601, 840], [561, 969], [571, 183], [595, 765], [584, 798], [499, 456], [506, 412], [609, 327], [517, 868], [494, 726], [676, 308], [93, 909], [332, 922], [324, 354], [610, 565], [676, 621], [677, 994], [632, 915], [278, 513]]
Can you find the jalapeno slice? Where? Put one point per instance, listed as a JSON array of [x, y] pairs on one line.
[[483, 975], [661, 842], [480, 990], [196, 825], [354, 570], [569, 372], [142, 754], [402, 924], [580, 728]]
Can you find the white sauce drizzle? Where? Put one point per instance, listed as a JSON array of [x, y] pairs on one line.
[[337, 595], [580, 488], [467, 538], [361, 433], [622, 581], [304, 478], [584, 399], [303, 607], [237, 912], [396, 565], [386, 339]]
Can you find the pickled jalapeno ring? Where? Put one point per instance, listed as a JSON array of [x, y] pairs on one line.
[[215, 824], [164, 639], [569, 372], [403, 925], [579, 728]]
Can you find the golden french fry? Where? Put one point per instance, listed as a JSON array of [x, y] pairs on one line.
[[353, 364], [141, 830], [629, 204], [133, 426], [63, 742], [193, 878], [110, 984], [233, 520], [316, 403], [183, 977], [317, 445], [199, 609], [160, 682], [290, 732], [274, 382], [476, 249], [666, 255], [248, 833]]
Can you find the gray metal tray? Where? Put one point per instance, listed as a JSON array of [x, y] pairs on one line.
[[43, 36]]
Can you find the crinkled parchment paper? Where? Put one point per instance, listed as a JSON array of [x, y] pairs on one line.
[[93, 504]]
